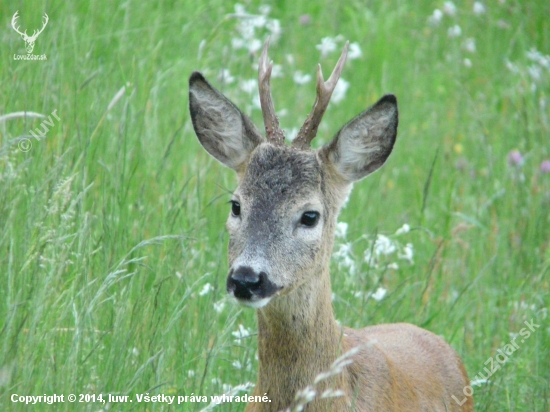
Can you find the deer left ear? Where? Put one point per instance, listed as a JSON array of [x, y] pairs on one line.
[[363, 145], [223, 130]]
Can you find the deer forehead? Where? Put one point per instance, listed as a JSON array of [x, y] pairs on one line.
[[277, 175]]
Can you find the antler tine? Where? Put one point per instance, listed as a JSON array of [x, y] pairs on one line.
[[46, 20], [35, 33], [14, 22], [273, 131], [324, 92]]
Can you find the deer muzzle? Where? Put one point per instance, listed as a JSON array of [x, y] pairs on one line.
[[250, 287]]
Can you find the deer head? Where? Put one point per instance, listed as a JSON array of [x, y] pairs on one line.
[[284, 210], [29, 40]]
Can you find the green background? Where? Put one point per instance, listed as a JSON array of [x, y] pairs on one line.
[[111, 225]]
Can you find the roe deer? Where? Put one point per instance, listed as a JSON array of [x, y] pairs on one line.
[[281, 233]]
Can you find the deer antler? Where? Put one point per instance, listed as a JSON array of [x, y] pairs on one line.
[[37, 32], [324, 91], [273, 131], [13, 22]]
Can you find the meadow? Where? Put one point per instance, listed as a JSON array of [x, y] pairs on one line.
[[112, 239]]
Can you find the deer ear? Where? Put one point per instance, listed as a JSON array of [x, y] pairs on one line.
[[223, 130], [363, 145]]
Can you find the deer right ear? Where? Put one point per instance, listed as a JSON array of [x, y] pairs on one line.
[[364, 144], [223, 130]]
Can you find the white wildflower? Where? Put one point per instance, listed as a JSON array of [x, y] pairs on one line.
[[479, 8], [449, 8], [408, 253], [535, 72], [265, 9], [354, 51], [241, 333], [344, 250], [225, 77], [249, 86], [341, 229], [454, 31], [239, 9], [370, 259], [393, 266], [257, 21], [300, 78], [190, 373], [237, 364], [436, 17], [545, 62], [470, 45], [238, 43], [246, 29], [403, 229], [344, 257], [219, 306], [277, 71], [379, 294], [512, 67], [384, 245], [327, 45], [467, 63], [206, 289], [340, 91], [274, 27], [254, 45], [536, 56]]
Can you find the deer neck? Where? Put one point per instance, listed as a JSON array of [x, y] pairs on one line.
[[298, 338]]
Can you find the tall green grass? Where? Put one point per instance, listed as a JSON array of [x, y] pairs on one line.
[[112, 246]]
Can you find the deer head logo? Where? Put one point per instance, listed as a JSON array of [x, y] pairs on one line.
[[29, 40]]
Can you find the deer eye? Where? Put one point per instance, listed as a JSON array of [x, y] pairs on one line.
[[235, 208], [309, 219]]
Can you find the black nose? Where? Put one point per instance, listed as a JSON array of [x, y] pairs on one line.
[[245, 282]]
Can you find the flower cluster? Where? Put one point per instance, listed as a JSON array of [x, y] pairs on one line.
[[382, 252], [241, 333], [329, 45], [383, 248], [536, 69], [449, 12], [252, 27]]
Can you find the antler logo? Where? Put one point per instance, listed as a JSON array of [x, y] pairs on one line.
[[29, 40]]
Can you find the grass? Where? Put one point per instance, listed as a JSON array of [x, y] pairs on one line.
[[111, 226]]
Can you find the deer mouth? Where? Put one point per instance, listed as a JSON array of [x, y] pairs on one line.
[[250, 288]]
